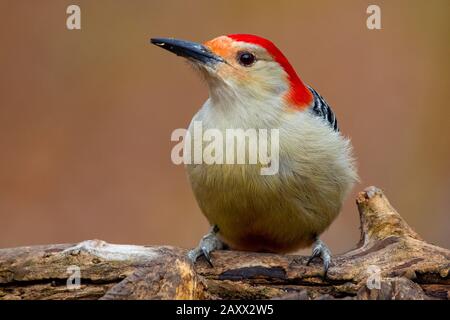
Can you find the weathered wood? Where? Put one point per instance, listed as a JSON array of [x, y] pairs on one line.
[[391, 257]]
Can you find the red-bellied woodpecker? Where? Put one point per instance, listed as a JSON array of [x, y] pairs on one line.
[[252, 85]]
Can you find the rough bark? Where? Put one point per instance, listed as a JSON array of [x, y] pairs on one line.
[[406, 266]]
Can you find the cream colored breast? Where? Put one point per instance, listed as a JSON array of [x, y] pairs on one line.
[[285, 211]]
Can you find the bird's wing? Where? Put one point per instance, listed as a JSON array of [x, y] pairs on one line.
[[323, 110]]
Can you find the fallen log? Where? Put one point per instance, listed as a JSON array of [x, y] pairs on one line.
[[391, 261]]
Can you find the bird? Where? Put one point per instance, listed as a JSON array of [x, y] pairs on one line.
[[252, 84]]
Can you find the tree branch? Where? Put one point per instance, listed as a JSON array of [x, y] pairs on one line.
[[391, 261]]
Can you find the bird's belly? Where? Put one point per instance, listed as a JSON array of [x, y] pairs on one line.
[[255, 212], [285, 211]]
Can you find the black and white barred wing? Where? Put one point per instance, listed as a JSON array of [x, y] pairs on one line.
[[321, 108]]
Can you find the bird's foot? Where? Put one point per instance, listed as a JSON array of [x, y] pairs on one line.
[[208, 244], [321, 250]]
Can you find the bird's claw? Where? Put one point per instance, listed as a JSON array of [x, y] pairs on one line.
[[208, 244], [321, 250]]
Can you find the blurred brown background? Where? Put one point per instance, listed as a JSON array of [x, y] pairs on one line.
[[86, 116]]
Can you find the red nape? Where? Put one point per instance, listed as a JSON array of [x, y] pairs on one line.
[[299, 94]]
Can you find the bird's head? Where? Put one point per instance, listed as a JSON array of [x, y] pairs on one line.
[[243, 67]]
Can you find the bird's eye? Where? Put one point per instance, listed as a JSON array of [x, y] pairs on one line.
[[246, 59]]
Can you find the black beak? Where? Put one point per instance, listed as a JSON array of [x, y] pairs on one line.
[[188, 49]]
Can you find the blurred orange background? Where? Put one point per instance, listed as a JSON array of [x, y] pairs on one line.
[[86, 115]]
